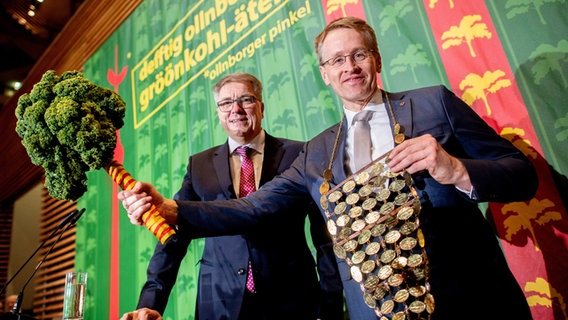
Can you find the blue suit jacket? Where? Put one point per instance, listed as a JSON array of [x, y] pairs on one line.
[[284, 268], [469, 275]]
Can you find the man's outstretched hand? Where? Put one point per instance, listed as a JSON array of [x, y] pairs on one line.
[[140, 198], [142, 314]]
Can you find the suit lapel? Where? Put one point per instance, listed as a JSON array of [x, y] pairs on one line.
[[223, 171], [402, 108], [338, 169], [272, 156]]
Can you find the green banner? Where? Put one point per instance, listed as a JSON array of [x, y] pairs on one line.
[[166, 57]]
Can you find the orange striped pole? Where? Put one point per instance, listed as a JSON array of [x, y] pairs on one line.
[[151, 218]]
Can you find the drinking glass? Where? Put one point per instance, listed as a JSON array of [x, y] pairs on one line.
[[74, 295]]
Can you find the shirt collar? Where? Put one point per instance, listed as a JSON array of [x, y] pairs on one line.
[[370, 106], [257, 143]]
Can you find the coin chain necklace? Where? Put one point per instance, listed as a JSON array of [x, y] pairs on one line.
[[375, 229]]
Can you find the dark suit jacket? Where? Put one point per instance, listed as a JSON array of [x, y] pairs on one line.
[[284, 269], [469, 275]]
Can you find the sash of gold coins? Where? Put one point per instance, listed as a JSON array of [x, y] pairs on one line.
[[373, 220]]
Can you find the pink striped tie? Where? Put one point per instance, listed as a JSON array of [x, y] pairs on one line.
[[247, 186]]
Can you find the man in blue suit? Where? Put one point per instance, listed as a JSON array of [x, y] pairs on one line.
[[456, 161], [283, 269]]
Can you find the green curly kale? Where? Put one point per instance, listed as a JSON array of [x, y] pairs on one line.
[[68, 126]]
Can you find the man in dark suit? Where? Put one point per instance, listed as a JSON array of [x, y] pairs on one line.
[[456, 161], [284, 278]]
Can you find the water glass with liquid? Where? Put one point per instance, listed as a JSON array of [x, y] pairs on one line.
[[74, 295]]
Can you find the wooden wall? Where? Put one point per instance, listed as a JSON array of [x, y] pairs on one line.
[[89, 27]]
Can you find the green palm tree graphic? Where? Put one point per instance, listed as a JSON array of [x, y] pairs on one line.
[[517, 7], [390, 14], [548, 58], [411, 59]]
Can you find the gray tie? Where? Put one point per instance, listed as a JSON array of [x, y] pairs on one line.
[[362, 147]]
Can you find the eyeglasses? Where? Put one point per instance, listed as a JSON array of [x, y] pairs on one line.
[[246, 101], [357, 56]]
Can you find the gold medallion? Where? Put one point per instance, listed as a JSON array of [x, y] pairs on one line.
[[378, 230], [368, 266], [358, 257], [396, 129], [401, 296], [380, 293], [408, 243], [419, 274], [388, 256], [386, 208], [407, 178], [339, 251], [372, 217], [396, 185], [365, 190], [352, 198], [324, 187], [372, 248], [429, 301], [415, 260], [349, 186], [377, 168], [340, 208], [362, 178], [395, 280], [369, 204], [350, 245], [392, 236], [364, 236], [399, 262], [356, 274], [323, 202], [391, 174], [334, 196], [417, 291], [420, 237], [371, 282], [358, 225], [417, 306], [344, 233], [390, 221], [400, 199], [408, 227], [355, 212], [399, 316], [327, 174], [385, 272], [405, 213], [383, 194], [369, 300], [380, 182], [399, 138], [331, 227], [342, 220], [387, 307]]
